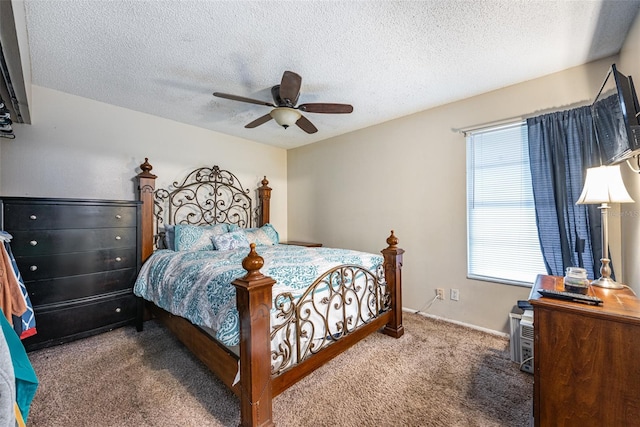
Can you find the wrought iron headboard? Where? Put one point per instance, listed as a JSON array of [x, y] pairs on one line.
[[205, 196]]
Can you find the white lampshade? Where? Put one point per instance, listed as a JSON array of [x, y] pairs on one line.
[[285, 116], [604, 185]]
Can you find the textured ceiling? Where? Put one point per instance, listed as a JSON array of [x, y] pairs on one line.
[[386, 58]]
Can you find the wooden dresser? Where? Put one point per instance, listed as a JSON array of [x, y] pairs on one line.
[[79, 260], [586, 358]]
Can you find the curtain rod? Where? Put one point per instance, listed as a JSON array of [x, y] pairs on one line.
[[510, 120]]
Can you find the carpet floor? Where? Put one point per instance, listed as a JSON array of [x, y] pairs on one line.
[[437, 374]]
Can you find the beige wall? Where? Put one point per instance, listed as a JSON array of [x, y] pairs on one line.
[[409, 175], [630, 213], [79, 148]]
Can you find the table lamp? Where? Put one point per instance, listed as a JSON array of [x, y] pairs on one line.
[[604, 185]]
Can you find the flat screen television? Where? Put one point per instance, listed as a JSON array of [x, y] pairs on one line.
[[615, 113]]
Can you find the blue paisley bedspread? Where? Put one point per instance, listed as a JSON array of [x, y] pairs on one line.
[[197, 285]]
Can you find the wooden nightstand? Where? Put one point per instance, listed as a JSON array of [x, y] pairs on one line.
[[307, 244]]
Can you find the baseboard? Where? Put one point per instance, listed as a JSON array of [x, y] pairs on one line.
[[466, 325]]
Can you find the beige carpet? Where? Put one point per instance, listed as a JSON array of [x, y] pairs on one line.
[[438, 374]]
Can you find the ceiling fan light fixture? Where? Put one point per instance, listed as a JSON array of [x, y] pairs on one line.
[[285, 112], [285, 116]]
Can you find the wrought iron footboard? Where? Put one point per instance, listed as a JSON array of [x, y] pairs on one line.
[[336, 304]]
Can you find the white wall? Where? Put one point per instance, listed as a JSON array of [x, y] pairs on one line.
[[409, 175], [630, 213], [80, 148]]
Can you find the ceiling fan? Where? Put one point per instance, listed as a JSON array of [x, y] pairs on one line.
[[285, 97]]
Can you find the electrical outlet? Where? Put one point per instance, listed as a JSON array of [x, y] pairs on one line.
[[440, 293], [455, 294]]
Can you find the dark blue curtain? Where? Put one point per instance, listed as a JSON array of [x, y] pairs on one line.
[[562, 146]]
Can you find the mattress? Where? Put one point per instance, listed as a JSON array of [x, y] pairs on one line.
[[197, 285]]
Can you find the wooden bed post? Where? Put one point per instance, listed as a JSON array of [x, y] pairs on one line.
[[393, 276], [146, 187], [264, 196], [253, 295]]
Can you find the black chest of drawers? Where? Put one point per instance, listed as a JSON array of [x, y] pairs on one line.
[[79, 260]]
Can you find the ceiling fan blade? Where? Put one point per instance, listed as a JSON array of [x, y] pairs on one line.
[[304, 124], [326, 108], [260, 120], [242, 99], [290, 87]]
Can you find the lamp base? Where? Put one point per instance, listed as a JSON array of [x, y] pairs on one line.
[[607, 282]]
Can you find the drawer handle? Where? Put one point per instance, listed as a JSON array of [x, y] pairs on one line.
[[118, 259], [33, 268], [118, 310], [118, 238], [33, 242], [33, 217], [118, 216]]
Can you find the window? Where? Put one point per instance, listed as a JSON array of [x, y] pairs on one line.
[[502, 237]]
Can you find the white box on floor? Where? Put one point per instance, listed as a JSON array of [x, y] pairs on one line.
[[526, 342], [514, 340]]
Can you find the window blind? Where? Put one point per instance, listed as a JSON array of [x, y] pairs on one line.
[[502, 237]]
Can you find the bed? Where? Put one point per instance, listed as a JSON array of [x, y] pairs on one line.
[[259, 335]]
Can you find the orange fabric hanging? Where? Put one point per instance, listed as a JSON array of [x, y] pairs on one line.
[[11, 299]]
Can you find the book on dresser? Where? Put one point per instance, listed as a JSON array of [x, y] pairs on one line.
[[78, 259]]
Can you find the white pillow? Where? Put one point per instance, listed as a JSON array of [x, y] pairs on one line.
[[229, 241]]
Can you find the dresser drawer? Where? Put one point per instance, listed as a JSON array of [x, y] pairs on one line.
[[75, 263], [61, 289], [43, 216], [70, 322], [47, 242]]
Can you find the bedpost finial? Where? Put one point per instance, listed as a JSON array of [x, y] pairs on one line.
[[146, 169], [392, 241], [265, 182], [253, 263], [146, 166]]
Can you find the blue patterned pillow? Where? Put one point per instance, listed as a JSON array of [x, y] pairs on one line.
[[229, 241], [197, 237], [265, 235]]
